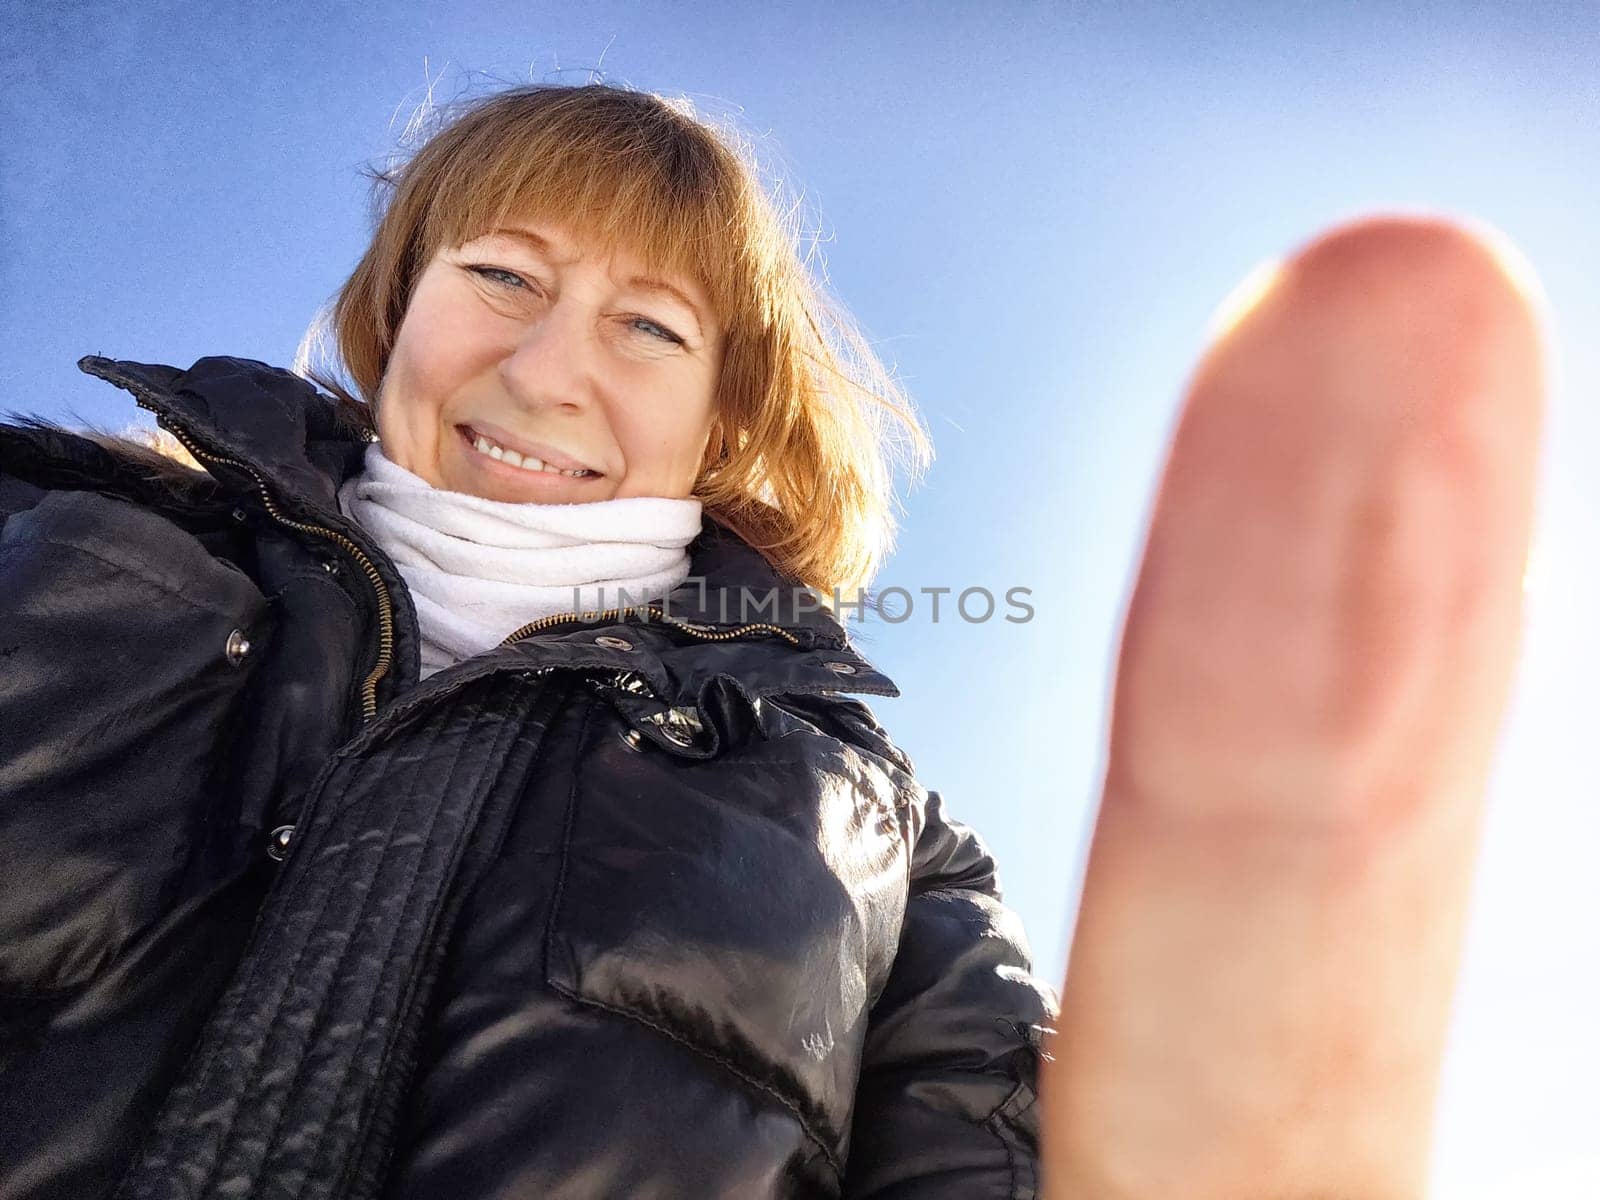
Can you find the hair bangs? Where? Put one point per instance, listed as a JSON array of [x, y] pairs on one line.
[[658, 191]]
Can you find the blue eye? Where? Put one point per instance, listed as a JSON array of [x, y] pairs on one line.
[[657, 331], [493, 273]]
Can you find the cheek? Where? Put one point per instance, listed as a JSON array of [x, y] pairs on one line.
[[405, 414], [424, 370], [667, 455], [438, 342], [421, 369]]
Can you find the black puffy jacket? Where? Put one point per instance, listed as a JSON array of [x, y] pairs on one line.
[[635, 906]]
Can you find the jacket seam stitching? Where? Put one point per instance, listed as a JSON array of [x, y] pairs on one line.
[[509, 732], [125, 569], [272, 1141], [227, 1134], [998, 1123], [271, 936], [548, 699], [1011, 1162], [727, 1064]]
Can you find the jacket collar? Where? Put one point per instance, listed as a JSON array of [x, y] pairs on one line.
[[254, 425], [274, 423]]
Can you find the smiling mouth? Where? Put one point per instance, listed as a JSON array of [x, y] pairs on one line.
[[510, 458]]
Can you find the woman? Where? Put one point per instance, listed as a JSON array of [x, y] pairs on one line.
[[367, 833]]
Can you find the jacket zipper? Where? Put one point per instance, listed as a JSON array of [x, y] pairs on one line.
[[369, 687], [660, 614]]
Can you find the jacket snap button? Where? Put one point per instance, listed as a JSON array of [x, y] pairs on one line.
[[613, 643], [632, 681], [238, 646], [840, 668], [278, 842], [632, 739], [677, 725]]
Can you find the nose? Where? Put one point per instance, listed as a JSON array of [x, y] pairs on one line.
[[552, 365]]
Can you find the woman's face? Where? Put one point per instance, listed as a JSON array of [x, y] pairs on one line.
[[526, 348]]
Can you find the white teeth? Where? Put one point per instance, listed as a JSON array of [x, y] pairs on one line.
[[484, 446]]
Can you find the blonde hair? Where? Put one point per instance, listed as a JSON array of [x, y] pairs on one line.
[[809, 424]]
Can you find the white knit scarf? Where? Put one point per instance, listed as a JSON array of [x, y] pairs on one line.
[[480, 569]]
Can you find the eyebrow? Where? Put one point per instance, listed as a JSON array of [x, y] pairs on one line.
[[643, 283]]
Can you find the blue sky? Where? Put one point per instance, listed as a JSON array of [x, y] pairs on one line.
[[1033, 210]]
